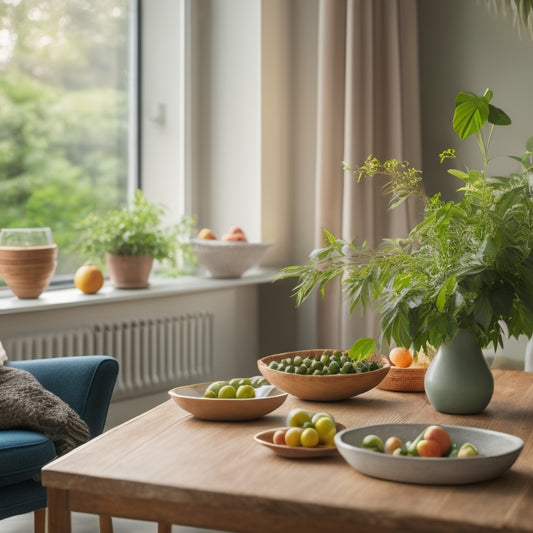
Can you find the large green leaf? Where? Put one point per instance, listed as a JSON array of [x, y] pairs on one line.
[[498, 117], [362, 348], [471, 114]]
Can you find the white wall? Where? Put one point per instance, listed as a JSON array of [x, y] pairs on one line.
[[464, 47], [226, 115]]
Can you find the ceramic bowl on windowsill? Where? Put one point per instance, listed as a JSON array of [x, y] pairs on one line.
[[228, 259]]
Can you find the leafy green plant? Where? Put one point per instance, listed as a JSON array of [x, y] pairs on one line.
[[519, 11], [466, 265], [137, 230]]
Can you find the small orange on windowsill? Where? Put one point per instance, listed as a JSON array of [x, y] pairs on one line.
[[89, 279]]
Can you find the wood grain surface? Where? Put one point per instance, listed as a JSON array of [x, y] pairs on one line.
[[168, 467]]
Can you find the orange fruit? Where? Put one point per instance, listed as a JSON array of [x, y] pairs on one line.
[[440, 436], [391, 444], [428, 448], [401, 357], [89, 279], [206, 233]]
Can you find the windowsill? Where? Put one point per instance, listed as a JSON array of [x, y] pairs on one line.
[[72, 297]]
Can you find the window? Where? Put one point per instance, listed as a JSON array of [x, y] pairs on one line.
[[67, 114]]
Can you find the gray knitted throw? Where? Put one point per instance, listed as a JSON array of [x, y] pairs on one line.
[[26, 404]]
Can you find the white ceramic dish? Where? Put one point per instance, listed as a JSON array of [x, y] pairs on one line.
[[228, 259], [190, 398], [498, 451]]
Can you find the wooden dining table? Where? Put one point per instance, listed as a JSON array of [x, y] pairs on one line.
[[168, 467]]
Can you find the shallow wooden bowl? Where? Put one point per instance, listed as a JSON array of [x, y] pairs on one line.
[[190, 398], [322, 388], [404, 379], [266, 438]]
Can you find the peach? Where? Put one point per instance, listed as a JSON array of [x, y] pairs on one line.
[[235, 237], [206, 233], [391, 444], [440, 436], [235, 229], [293, 436], [428, 448], [279, 437]]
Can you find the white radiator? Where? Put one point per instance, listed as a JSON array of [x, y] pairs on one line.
[[154, 354]]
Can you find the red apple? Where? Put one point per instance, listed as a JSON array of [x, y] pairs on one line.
[[235, 229], [236, 237]]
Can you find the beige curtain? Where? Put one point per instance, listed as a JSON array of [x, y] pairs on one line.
[[368, 103]]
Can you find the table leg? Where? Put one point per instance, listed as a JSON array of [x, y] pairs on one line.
[[164, 528], [58, 512], [106, 524], [39, 521]]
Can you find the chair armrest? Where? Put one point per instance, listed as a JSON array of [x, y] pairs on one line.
[[85, 382]]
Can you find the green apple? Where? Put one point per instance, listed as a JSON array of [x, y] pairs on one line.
[[309, 438], [245, 391], [298, 417], [216, 386], [467, 450], [227, 391], [326, 429], [372, 442], [318, 415]]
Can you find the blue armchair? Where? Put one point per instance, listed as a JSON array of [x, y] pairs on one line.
[[86, 383]]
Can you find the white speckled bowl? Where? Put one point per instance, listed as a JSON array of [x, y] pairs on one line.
[[228, 259], [498, 451]]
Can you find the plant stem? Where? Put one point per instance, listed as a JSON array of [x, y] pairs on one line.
[[483, 151], [484, 148]]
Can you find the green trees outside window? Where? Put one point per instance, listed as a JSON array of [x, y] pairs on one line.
[[64, 83]]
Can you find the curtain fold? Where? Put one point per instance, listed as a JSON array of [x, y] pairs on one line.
[[368, 103]]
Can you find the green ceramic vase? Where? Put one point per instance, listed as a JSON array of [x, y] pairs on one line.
[[459, 380]]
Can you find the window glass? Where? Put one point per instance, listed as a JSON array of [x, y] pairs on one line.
[[65, 123]]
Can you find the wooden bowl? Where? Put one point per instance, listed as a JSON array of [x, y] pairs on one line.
[[266, 438], [322, 388], [404, 379], [190, 398]]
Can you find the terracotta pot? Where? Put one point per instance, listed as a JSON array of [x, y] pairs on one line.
[[129, 271], [28, 270]]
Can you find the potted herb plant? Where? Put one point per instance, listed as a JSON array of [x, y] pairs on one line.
[[131, 238], [463, 274]]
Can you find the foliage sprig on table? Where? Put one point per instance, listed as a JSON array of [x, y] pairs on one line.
[[467, 265]]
